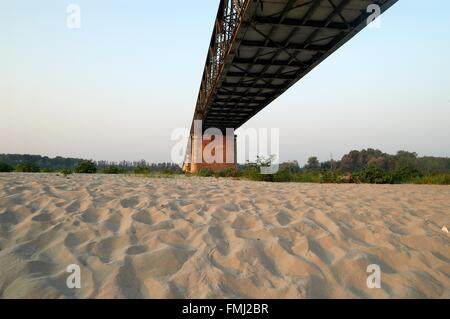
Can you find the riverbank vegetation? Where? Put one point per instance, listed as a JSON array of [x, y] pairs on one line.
[[366, 166]]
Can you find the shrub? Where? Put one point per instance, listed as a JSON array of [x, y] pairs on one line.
[[205, 172], [6, 168], [229, 172], [373, 175], [27, 168], [329, 177], [405, 174], [112, 169], [251, 171], [141, 169], [86, 167], [283, 175], [66, 171]]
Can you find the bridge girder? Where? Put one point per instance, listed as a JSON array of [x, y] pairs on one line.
[[260, 48]]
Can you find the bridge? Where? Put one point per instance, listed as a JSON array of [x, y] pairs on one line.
[[258, 50]]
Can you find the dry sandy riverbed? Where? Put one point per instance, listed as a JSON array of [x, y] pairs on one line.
[[136, 237]]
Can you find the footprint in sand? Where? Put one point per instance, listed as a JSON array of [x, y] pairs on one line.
[[143, 217], [113, 223], [219, 239], [326, 256], [129, 284], [77, 238], [8, 217], [90, 217], [43, 218], [40, 268], [73, 207], [136, 250], [283, 219], [129, 202]]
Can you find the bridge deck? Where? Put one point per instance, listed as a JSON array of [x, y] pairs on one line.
[[261, 48]]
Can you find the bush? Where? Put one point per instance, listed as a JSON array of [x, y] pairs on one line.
[[229, 172], [405, 174], [66, 171], [6, 168], [112, 169], [141, 169], [27, 168], [86, 167], [205, 172], [283, 175], [329, 177], [251, 171], [373, 175]]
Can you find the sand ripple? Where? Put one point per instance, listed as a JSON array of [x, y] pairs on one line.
[[204, 237]]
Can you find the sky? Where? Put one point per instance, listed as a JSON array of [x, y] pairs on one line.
[[117, 88]]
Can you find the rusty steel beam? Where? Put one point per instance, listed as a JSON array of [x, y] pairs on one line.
[[337, 26], [227, 22], [260, 48]]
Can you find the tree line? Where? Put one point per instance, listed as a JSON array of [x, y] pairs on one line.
[[37, 163], [365, 166]]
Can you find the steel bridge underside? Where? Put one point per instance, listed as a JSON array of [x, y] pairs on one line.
[[260, 48]]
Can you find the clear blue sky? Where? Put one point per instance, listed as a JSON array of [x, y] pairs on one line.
[[116, 88]]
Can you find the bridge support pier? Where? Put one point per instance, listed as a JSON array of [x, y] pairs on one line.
[[215, 153]]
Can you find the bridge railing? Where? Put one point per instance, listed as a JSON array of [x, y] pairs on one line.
[[226, 25]]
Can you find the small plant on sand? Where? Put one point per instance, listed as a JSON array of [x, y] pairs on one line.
[[66, 172], [5, 168], [86, 167]]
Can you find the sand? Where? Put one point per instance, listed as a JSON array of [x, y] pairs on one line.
[[137, 237]]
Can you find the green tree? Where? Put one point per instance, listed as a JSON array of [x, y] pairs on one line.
[[86, 167], [313, 163], [5, 168]]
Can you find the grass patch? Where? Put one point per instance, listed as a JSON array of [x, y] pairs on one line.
[[432, 179], [113, 169]]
